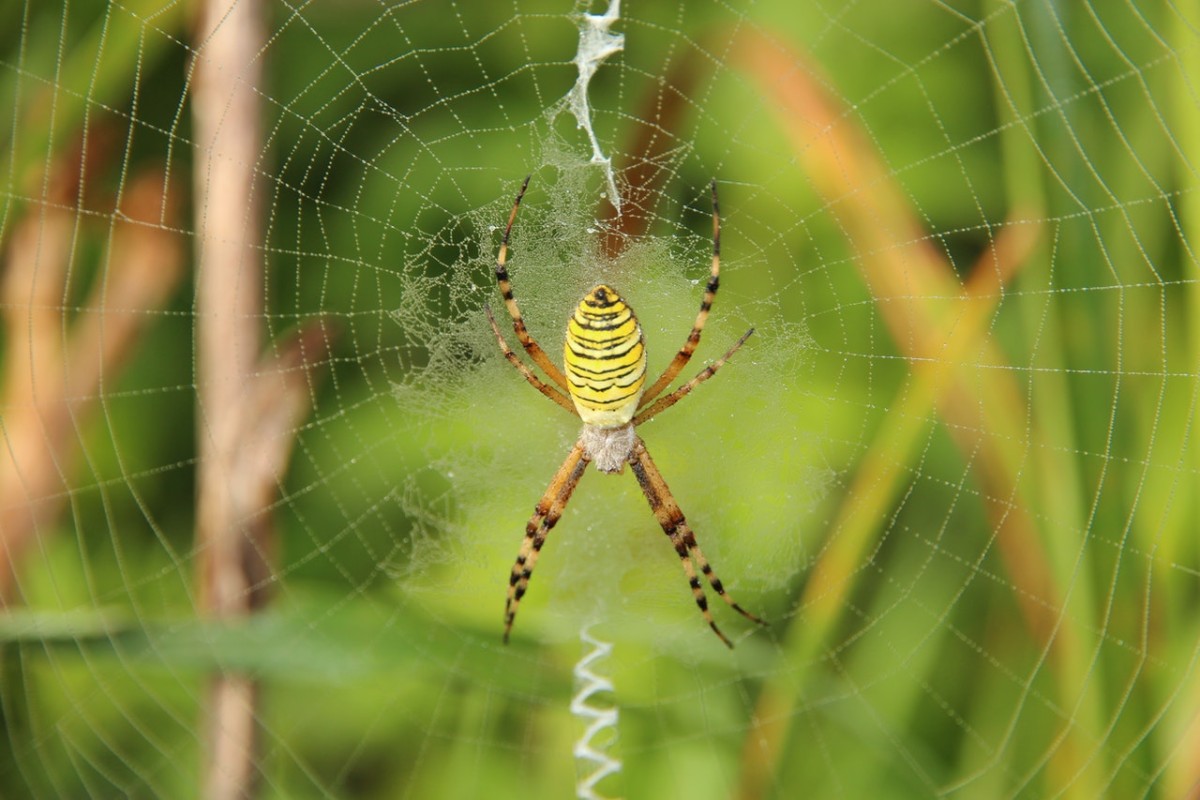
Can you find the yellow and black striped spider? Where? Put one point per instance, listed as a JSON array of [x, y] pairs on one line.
[[605, 373]]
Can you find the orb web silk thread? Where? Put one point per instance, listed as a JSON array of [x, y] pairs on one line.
[[596, 44], [593, 763]]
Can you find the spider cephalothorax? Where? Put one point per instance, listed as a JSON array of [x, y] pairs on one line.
[[604, 360]]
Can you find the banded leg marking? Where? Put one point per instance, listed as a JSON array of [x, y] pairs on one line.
[[547, 513], [674, 397], [527, 373], [534, 350], [710, 293], [670, 518]]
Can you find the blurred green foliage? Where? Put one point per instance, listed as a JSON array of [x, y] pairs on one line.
[[395, 139]]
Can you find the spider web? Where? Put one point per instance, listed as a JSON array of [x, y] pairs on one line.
[[953, 466]]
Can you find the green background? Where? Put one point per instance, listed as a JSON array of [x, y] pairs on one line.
[[396, 138]]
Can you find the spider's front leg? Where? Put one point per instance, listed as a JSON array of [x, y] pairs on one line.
[[673, 523], [545, 515]]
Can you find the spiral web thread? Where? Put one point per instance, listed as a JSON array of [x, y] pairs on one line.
[[957, 465], [593, 763]]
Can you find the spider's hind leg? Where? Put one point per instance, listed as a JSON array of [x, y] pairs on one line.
[[710, 293], [546, 514], [534, 350]]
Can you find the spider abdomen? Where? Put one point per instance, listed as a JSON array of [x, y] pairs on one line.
[[604, 359]]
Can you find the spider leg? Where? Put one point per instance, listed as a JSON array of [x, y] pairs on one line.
[[545, 516], [710, 292], [671, 518], [527, 373], [534, 350], [674, 397]]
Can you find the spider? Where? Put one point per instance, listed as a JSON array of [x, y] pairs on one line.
[[604, 361]]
